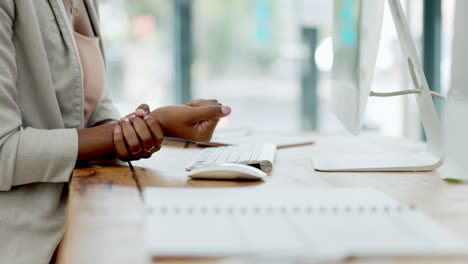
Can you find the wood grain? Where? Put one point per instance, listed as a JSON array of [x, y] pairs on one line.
[[104, 218], [105, 212]]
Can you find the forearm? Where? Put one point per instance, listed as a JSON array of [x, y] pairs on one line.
[[105, 122], [96, 142]]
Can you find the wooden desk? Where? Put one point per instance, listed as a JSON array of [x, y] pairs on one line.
[[105, 214]]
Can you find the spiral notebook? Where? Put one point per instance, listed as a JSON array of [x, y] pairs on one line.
[[323, 223]]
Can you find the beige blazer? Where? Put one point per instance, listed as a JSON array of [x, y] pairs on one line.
[[41, 106]]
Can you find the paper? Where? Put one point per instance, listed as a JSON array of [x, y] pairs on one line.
[[319, 223], [280, 140]]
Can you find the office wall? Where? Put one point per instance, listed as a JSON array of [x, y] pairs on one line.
[[248, 53]]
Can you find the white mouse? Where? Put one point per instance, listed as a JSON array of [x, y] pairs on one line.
[[227, 171]]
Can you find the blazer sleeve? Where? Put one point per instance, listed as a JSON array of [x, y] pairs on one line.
[[27, 155], [104, 111]]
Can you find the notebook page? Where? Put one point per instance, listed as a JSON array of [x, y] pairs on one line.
[[338, 222]]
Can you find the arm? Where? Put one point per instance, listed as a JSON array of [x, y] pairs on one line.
[[26, 154], [187, 122], [29, 155], [96, 142]]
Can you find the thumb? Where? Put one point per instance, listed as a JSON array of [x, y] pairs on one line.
[[211, 112], [142, 110]]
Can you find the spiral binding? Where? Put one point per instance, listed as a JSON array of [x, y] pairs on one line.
[[282, 210]]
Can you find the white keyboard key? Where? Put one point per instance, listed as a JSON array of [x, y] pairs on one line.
[[256, 154], [245, 157], [224, 155], [214, 156], [200, 157], [205, 155], [235, 155]]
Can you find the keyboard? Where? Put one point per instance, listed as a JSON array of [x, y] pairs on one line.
[[258, 155]]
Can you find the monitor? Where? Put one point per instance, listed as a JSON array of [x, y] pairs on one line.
[[353, 69], [456, 124], [357, 28]]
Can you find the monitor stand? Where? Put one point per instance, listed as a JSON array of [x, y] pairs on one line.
[[427, 160], [408, 162]]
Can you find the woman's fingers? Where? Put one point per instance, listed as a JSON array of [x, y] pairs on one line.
[[194, 103], [131, 137], [212, 112], [206, 119], [135, 137], [156, 131], [209, 127], [142, 110], [119, 144], [203, 102], [144, 135]]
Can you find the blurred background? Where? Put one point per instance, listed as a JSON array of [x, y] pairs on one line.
[[270, 60]]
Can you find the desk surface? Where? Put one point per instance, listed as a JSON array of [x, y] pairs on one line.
[[105, 213]]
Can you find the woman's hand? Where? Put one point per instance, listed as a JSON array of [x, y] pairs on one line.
[[203, 102], [137, 135], [131, 139], [195, 121]]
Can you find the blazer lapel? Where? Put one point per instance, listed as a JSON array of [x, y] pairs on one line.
[[67, 33], [62, 19], [93, 16], [65, 27]]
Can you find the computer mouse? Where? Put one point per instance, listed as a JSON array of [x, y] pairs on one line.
[[227, 171]]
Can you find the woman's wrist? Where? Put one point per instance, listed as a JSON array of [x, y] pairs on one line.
[[158, 116], [106, 122], [96, 142]]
